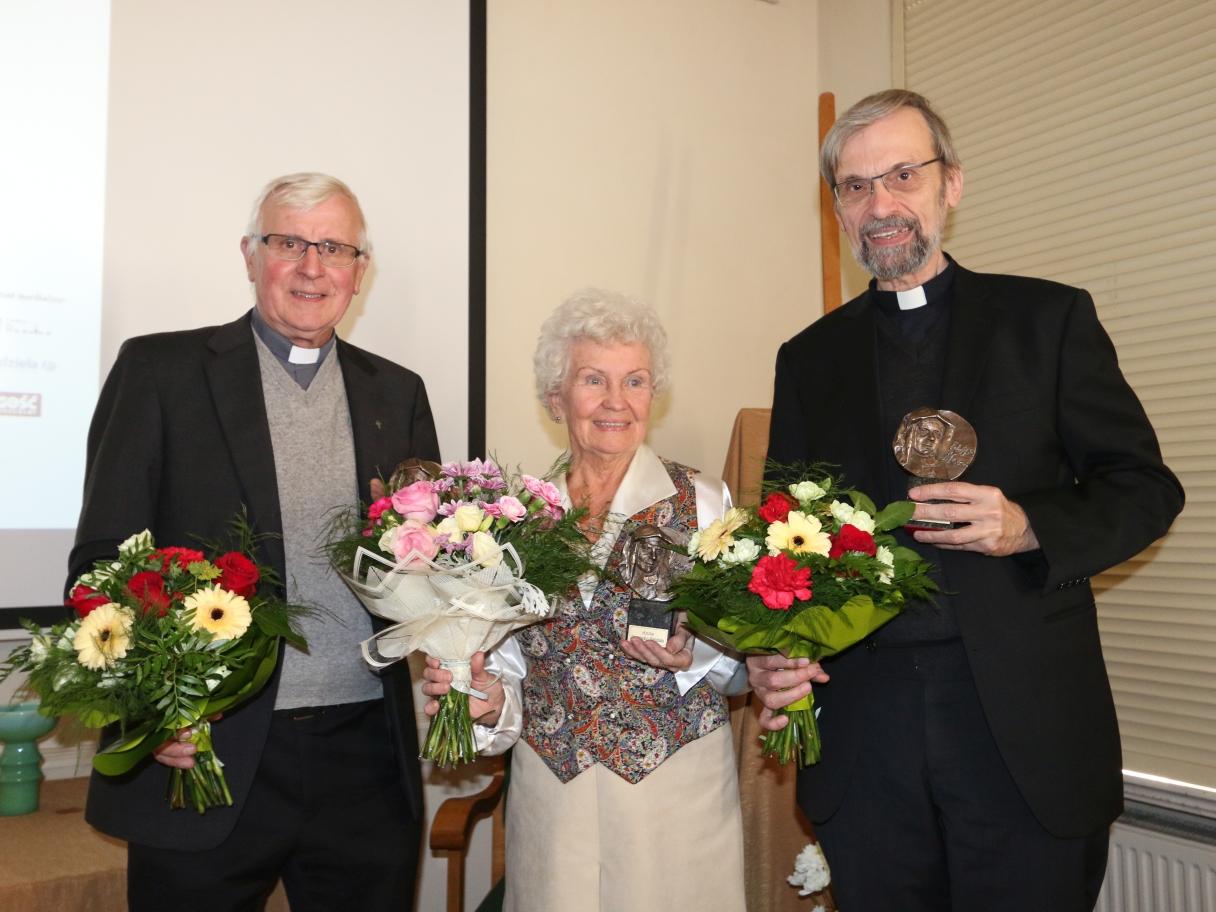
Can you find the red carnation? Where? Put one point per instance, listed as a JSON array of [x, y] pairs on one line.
[[183, 557], [850, 538], [148, 588], [779, 580], [776, 507], [240, 574], [84, 599]]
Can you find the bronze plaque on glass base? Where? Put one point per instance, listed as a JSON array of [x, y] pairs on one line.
[[934, 445]]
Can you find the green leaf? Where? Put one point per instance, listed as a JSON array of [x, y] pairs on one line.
[[894, 515], [862, 502]]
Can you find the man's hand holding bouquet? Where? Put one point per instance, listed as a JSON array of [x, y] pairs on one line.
[[164, 640], [811, 571]]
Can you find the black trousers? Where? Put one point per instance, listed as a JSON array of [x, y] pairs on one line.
[[932, 821], [326, 812]]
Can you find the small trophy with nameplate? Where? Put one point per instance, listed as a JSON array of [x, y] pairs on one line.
[[652, 559], [934, 445]]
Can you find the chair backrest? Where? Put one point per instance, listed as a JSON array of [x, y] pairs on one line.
[[745, 455]]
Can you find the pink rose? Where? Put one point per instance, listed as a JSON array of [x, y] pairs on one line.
[[510, 508], [414, 536], [418, 501]]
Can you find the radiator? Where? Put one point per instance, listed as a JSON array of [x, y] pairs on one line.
[[1157, 872]]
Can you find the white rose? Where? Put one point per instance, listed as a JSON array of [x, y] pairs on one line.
[[387, 539], [485, 549], [743, 551], [806, 491], [842, 511], [469, 517], [447, 526], [863, 521]]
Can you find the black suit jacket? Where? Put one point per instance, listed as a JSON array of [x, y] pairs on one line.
[[178, 443], [1063, 435]]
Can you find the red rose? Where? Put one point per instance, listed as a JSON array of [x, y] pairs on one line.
[[183, 557], [148, 588], [850, 538], [779, 580], [776, 507], [84, 599], [240, 574]]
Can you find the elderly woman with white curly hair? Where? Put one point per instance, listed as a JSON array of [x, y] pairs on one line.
[[623, 789]]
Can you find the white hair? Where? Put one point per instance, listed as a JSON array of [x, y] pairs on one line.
[[603, 317], [303, 191]]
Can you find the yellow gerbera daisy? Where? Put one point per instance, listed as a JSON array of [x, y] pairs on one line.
[[800, 534], [719, 534], [103, 637], [225, 615]]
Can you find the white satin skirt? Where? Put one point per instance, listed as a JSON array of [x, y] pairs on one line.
[[600, 844]]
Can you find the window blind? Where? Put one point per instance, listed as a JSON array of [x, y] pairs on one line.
[[1088, 138]]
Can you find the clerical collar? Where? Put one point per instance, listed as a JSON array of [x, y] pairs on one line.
[[933, 291], [301, 363]]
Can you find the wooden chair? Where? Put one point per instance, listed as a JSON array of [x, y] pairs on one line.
[[453, 826]]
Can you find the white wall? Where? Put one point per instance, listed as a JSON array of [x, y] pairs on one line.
[[663, 149], [207, 103]]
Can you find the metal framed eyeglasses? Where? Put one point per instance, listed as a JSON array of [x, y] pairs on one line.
[[900, 179], [331, 253]]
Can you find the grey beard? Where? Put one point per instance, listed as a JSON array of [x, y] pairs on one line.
[[889, 263]]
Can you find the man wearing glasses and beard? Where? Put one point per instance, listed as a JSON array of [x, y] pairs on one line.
[[972, 756]]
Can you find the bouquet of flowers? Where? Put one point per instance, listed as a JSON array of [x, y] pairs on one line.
[[807, 574], [163, 640], [458, 556]]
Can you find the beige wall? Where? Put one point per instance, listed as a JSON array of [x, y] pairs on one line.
[[663, 149], [851, 70]]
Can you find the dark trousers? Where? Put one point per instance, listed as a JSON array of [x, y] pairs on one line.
[[326, 812], [932, 820]]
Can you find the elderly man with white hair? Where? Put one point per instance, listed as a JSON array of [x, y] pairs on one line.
[[274, 413]]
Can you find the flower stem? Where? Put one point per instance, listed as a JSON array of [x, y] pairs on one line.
[[450, 739], [799, 740], [203, 785]]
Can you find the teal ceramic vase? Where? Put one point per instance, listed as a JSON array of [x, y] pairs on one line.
[[21, 725]]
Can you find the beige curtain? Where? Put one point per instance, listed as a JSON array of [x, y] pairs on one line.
[[774, 830]]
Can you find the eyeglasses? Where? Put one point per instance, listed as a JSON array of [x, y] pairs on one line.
[[900, 179], [331, 253]]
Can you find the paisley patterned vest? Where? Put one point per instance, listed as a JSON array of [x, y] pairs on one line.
[[585, 701]]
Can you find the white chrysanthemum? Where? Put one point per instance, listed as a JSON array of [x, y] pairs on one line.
[[806, 491], [884, 556], [103, 637], [800, 534], [811, 872], [719, 534], [223, 614], [847, 513], [743, 551]]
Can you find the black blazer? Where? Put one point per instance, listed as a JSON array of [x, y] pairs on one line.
[[1063, 435], [178, 443]]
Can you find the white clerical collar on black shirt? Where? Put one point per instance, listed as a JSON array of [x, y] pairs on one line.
[[301, 363]]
